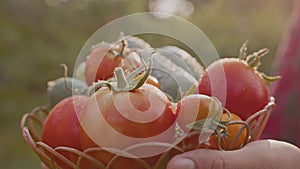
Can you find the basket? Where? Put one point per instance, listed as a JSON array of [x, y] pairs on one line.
[[32, 123]]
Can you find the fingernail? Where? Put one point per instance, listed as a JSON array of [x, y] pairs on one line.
[[184, 163]]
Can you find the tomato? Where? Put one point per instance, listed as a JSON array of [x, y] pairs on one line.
[[100, 65], [126, 118], [61, 127], [105, 156], [238, 86], [101, 62], [233, 139], [197, 108], [58, 89]]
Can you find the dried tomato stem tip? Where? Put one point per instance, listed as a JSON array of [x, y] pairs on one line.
[[135, 79], [243, 50], [122, 83], [122, 50], [69, 86], [253, 60], [270, 79], [65, 67], [119, 52]]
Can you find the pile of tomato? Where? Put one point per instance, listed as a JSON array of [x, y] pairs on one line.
[[126, 93]]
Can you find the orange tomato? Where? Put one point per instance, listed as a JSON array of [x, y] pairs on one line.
[[235, 136], [191, 111]]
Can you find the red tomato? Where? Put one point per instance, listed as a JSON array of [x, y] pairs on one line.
[[122, 119], [61, 126], [100, 64], [238, 86], [197, 108]]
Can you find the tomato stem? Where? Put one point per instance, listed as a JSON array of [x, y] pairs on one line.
[[96, 86], [269, 79], [68, 87], [123, 45], [253, 60], [65, 67], [122, 82], [243, 50]]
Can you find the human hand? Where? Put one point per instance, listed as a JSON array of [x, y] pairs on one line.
[[262, 154]]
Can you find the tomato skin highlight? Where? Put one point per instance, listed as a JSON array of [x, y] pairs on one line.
[[146, 104], [61, 127], [238, 86]]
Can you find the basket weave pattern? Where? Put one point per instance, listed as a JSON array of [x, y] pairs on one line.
[[32, 123]]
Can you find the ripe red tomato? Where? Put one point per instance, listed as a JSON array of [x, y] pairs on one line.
[[101, 62], [197, 108], [232, 131], [61, 127], [238, 86], [122, 119]]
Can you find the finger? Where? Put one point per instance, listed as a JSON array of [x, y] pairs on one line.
[[44, 166], [266, 154], [206, 159]]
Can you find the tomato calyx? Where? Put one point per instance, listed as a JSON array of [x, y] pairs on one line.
[[123, 83], [212, 125], [253, 60], [221, 131], [116, 49], [224, 133], [221, 135]]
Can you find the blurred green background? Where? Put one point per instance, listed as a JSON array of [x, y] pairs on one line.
[[38, 35]]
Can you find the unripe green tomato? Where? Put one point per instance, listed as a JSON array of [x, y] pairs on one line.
[[64, 87]]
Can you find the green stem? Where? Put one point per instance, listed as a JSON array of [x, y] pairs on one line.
[[123, 45], [253, 60], [243, 50], [122, 82], [96, 86]]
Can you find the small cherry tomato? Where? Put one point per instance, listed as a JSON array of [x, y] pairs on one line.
[[197, 116], [233, 137]]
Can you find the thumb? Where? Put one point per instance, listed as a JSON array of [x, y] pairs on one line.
[[208, 159], [267, 154]]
